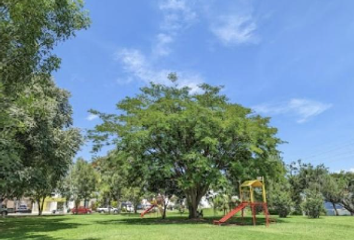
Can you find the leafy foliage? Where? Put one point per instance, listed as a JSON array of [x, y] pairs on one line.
[[313, 203], [280, 200], [81, 182], [30, 30], [50, 143], [304, 176], [332, 190], [114, 177], [346, 186], [194, 139], [29, 100]]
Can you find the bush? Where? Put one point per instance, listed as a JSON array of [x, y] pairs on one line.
[[312, 204], [281, 202]]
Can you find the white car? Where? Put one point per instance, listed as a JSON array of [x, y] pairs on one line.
[[106, 210]]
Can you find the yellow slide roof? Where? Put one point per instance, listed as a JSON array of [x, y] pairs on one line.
[[252, 183]]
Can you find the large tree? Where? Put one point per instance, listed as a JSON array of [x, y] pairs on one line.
[[197, 139], [29, 30], [51, 143]]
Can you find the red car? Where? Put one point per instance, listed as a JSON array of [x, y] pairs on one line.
[[81, 210]]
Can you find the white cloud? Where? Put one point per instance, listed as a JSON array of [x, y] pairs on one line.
[[162, 45], [177, 15], [235, 29], [91, 117], [307, 108], [302, 109], [135, 63], [351, 170], [232, 23]]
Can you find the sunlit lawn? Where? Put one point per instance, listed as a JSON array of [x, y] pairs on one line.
[[106, 227]]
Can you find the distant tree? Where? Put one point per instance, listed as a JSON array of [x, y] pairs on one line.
[[304, 176], [81, 182], [195, 139], [134, 195], [332, 191], [114, 176], [347, 190], [164, 187], [221, 202]]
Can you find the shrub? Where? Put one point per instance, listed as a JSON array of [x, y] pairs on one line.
[[312, 204], [281, 202]]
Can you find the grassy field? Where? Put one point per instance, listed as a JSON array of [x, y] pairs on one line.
[[108, 227]]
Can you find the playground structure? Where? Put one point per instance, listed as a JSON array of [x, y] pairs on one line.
[[159, 203], [247, 197]]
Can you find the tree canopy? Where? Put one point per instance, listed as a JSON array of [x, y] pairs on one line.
[[195, 139], [35, 119], [30, 30]]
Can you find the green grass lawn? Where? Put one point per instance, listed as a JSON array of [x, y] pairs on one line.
[[106, 227]]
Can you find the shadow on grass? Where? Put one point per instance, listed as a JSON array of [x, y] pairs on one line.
[[247, 221], [33, 228]]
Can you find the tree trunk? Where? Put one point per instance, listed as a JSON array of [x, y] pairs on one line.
[[335, 209], [348, 206], [118, 203], [192, 211], [193, 199], [165, 204], [42, 206], [39, 206], [77, 202], [109, 205], [136, 207]]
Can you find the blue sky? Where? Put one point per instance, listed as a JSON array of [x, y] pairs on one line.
[[290, 60]]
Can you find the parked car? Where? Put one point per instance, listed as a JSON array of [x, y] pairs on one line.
[[23, 209], [127, 207], [3, 210], [81, 210], [108, 209]]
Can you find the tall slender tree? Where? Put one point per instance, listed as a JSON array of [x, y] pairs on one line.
[[51, 143]]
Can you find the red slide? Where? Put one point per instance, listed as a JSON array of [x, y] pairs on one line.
[[230, 214], [147, 210]]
